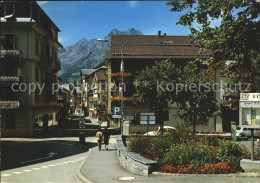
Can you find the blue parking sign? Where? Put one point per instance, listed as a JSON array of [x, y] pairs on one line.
[[117, 110]]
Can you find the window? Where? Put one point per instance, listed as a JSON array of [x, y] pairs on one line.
[[52, 51], [47, 50], [10, 41], [37, 74], [253, 114], [36, 46], [37, 96], [10, 122]]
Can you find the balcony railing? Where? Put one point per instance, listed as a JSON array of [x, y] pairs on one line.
[[9, 79], [9, 104], [116, 74], [119, 98], [11, 53]]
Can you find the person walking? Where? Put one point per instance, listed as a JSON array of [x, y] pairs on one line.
[[106, 136], [99, 136]]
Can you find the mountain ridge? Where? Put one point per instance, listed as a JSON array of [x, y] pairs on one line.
[[86, 54]]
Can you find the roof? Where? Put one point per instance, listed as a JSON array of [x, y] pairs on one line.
[[87, 71], [101, 76], [78, 90], [156, 47], [19, 19]]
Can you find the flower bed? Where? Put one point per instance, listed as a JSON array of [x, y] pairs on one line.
[[184, 153]]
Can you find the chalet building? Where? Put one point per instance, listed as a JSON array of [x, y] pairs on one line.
[[29, 46], [139, 51], [94, 91]]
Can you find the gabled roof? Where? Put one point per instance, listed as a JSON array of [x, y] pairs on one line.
[[87, 71], [155, 47]]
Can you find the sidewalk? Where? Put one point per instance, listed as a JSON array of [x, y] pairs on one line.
[[103, 166]]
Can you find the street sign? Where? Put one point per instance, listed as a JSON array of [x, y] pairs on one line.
[[117, 111], [116, 116]]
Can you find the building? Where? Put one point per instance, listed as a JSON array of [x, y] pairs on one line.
[[249, 109], [94, 87], [140, 51], [29, 47]]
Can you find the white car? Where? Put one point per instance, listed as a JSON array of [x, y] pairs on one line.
[[244, 131], [166, 130]]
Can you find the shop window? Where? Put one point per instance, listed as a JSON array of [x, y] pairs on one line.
[[253, 114], [10, 122]]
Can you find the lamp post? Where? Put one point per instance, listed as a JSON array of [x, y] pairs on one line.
[[122, 79]]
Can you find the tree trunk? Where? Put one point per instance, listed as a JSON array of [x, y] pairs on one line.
[[161, 121]]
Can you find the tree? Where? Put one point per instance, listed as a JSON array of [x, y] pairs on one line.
[[237, 37], [155, 84], [196, 100]]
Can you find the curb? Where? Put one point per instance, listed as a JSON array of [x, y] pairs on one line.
[[81, 177], [252, 174]]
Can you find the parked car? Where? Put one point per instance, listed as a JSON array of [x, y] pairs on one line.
[[166, 130], [244, 131], [77, 121]]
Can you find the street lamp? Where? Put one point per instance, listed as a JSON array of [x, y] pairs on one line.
[[122, 78]]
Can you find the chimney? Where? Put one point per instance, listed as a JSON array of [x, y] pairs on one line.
[[159, 33], [164, 34]]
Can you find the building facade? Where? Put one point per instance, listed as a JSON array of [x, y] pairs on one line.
[[140, 51], [29, 47]]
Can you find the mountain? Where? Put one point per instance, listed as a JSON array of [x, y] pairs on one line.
[[86, 54]]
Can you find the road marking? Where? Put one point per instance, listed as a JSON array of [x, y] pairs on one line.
[[49, 155], [5, 175], [126, 178], [44, 167], [27, 170], [36, 168], [58, 163], [52, 165], [17, 173]]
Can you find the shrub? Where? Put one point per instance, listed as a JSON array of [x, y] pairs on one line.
[[184, 154], [231, 152]]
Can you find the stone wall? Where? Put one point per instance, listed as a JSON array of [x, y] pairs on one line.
[[134, 162]]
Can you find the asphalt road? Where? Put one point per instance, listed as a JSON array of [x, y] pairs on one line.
[[42, 160], [60, 170]]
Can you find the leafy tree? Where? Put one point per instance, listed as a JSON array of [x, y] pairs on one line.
[[196, 98], [237, 37], [154, 86]]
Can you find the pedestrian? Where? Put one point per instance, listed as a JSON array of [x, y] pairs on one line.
[[106, 136], [99, 120], [99, 136]]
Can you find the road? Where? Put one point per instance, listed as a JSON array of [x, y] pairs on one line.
[[42, 160]]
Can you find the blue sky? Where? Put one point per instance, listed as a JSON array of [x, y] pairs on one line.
[[91, 20]]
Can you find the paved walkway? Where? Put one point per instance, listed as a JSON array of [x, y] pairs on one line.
[[103, 166]]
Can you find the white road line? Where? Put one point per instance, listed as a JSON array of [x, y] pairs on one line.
[[5, 175], [17, 173], [52, 165], [44, 167], [36, 168], [27, 170], [58, 163]]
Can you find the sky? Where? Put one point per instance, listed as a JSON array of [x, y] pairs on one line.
[[95, 19]]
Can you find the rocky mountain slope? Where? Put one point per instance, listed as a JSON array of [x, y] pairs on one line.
[[86, 54]]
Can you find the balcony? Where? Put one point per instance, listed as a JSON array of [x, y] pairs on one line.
[[9, 104], [117, 74], [11, 54], [119, 98], [46, 62], [7, 80]]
